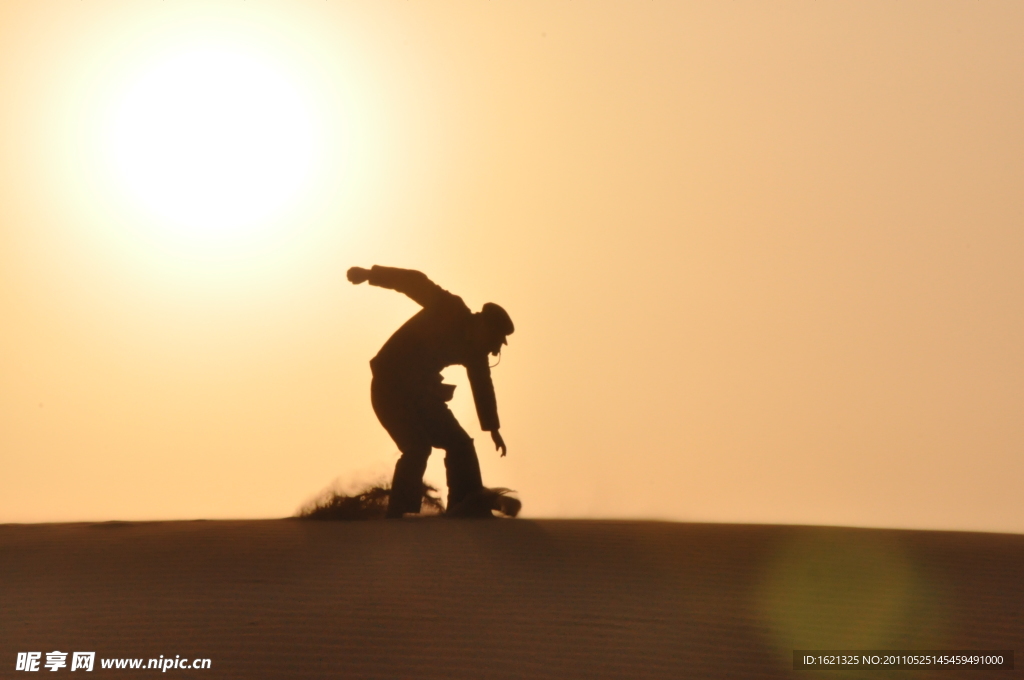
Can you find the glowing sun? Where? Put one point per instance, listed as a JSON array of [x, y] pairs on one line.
[[212, 141]]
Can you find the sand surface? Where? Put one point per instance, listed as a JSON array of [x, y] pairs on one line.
[[435, 598]]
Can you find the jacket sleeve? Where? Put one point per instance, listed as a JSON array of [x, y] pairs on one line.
[[409, 281], [483, 394]]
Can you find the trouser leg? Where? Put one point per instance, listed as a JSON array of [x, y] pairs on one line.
[[407, 484], [396, 409], [418, 421], [443, 431], [462, 469]]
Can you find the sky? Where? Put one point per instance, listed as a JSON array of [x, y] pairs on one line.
[[764, 259]]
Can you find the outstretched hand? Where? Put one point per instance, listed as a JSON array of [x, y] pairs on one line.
[[358, 275], [499, 443]]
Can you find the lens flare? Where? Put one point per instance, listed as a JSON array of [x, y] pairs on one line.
[[844, 589]]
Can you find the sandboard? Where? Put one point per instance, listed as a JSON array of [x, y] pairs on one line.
[[481, 504]]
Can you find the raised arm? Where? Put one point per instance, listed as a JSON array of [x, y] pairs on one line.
[[409, 281]]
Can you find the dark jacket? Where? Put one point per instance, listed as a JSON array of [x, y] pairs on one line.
[[437, 336]]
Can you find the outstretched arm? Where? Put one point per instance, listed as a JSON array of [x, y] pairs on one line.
[[486, 404], [413, 283]]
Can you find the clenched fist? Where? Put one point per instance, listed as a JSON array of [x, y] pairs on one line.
[[358, 275]]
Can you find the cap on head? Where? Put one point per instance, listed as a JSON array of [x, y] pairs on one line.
[[497, 318]]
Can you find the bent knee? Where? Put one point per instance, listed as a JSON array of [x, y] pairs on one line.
[[415, 454], [461, 446]]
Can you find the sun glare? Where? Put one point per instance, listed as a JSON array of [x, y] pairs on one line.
[[212, 141]]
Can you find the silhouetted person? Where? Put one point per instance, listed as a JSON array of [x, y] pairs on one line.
[[407, 391]]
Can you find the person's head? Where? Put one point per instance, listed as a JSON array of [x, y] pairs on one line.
[[493, 326]]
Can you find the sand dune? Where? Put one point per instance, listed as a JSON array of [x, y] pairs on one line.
[[436, 598]]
